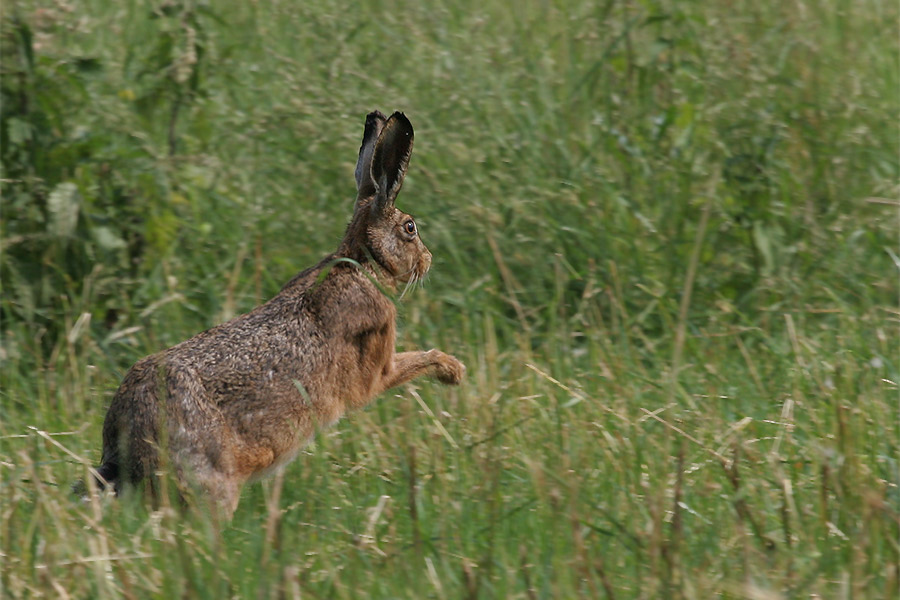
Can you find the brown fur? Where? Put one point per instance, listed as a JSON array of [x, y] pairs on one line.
[[235, 402]]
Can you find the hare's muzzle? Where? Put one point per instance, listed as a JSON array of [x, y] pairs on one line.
[[424, 263]]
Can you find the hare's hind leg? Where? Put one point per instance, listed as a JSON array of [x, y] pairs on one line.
[[205, 482], [224, 494], [406, 366]]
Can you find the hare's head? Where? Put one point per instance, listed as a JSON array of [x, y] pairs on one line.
[[379, 231]]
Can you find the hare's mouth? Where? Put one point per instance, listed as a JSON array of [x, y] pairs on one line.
[[416, 272], [412, 277]]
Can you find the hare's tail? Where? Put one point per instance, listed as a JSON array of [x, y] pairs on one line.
[[109, 474], [130, 451]]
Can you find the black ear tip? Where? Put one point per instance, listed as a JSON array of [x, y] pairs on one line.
[[375, 115], [400, 119], [374, 122]]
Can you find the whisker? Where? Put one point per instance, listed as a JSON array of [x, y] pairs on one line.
[[406, 287]]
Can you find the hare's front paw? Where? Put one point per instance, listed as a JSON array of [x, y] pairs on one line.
[[448, 369]]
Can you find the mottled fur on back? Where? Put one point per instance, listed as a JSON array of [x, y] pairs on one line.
[[234, 402]]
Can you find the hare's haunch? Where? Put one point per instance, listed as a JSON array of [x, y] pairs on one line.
[[239, 400]]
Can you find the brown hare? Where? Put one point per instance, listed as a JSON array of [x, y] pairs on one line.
[[236, 402]]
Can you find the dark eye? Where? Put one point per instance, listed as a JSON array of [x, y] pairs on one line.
[[410, 227]]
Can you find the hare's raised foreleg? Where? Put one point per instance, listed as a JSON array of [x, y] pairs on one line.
[[406, 366]]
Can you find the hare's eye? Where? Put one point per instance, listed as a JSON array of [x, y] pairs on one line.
[[410, 227]]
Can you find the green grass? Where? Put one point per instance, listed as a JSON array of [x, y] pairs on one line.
[[665, 241]]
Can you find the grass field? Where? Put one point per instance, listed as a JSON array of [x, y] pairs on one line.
[[666, 247]]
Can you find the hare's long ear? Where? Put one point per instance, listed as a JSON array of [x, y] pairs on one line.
[[390, 159], [365, 186]]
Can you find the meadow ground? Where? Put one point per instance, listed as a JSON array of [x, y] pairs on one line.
[[665, 240]]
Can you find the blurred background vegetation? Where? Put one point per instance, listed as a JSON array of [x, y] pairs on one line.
[[665, 240]]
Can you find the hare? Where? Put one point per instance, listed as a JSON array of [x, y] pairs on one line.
[[236, 402]]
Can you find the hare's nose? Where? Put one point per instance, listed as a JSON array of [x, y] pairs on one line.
[[426, 261]]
